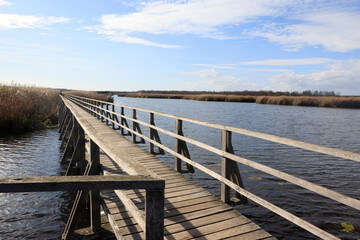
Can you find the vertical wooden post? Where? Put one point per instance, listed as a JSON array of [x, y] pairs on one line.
[[122, 120], [102, 112], [225, 172], [98, 109], [177, 145], [64, 121], [113, 116], [154, 214], [95, 219], [134, 125], [151, 132], [230, 169], [91, 107], [107, 114]]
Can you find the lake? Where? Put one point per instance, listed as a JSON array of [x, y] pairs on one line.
[[43, 215], [337, 128]]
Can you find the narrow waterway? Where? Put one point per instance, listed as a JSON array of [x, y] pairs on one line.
[[32, 215]]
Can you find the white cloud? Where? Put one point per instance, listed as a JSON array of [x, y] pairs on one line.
[[10, 21], [213, 80], [337, 31], [3, 2], [294, 24], [270, 70], [289, 62], [121, 37], [195, 17], [200, 17], [224, 66], [270, 62], [343, 76]]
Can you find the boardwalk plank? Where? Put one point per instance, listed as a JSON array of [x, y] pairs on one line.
[[190, 211]]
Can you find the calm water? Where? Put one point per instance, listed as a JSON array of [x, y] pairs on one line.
[[338, 128], [43, 215], [31, 215]]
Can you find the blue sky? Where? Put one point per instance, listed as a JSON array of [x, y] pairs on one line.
[[212, 45]]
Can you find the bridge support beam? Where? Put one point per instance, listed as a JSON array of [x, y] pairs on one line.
[[229, 169]]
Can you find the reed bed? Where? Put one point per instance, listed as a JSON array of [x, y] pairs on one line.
[[313, 101], [334, 102], [24, 108], [91, 94]]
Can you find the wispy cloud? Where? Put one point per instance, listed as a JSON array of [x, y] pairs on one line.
[[270, 70], [337, 31], [121, 37], [213, 80], [3, 2], [198, 17], [271, 62], [288, 62], [224, 66], [11, 21], [341, 76], [294, 24]]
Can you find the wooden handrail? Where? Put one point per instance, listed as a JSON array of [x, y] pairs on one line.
[[152, 221], [77, 183], [352, 202], [289, 142]]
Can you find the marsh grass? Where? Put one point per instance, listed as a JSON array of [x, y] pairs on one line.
[[92, 95], [313, 101], [24, 108]]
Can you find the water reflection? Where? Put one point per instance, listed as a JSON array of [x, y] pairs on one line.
[[31, 215]]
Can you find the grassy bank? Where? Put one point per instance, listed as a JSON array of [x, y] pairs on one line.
[[26, 108], [313, 101], [90, 94]]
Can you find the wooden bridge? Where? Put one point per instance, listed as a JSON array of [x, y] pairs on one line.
[[132, 194]]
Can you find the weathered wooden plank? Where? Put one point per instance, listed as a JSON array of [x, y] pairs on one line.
[[257, 234], [185, 203], [76, 183], [232, 224]]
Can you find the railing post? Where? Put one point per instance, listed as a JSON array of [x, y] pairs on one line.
[[225, 172], [98, 109], [177, 145], [229, 169], [113, 116], [95, 219], [133, 125], [154, 214], [122, 120], [151, 132], [107, 114], [102, 112]]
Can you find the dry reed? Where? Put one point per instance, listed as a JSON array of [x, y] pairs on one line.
[[92, 95], [25, 108], [314, 101]]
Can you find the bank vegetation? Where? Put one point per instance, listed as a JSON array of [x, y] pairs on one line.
[[24, 108], [106, 97], [306, 98]]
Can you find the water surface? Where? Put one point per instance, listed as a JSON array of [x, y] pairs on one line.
[[337, 128], [31, 215]]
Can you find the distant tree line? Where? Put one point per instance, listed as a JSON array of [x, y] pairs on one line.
[[241, 93]]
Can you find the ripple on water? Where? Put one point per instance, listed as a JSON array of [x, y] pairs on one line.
[[31, 215]]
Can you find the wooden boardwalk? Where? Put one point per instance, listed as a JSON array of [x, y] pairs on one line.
[[190, 211]]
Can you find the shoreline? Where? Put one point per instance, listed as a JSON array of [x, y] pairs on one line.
[[310, 101]]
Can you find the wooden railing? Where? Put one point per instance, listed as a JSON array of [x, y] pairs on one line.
[[228, 178], [88, 185], [73, 128]]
